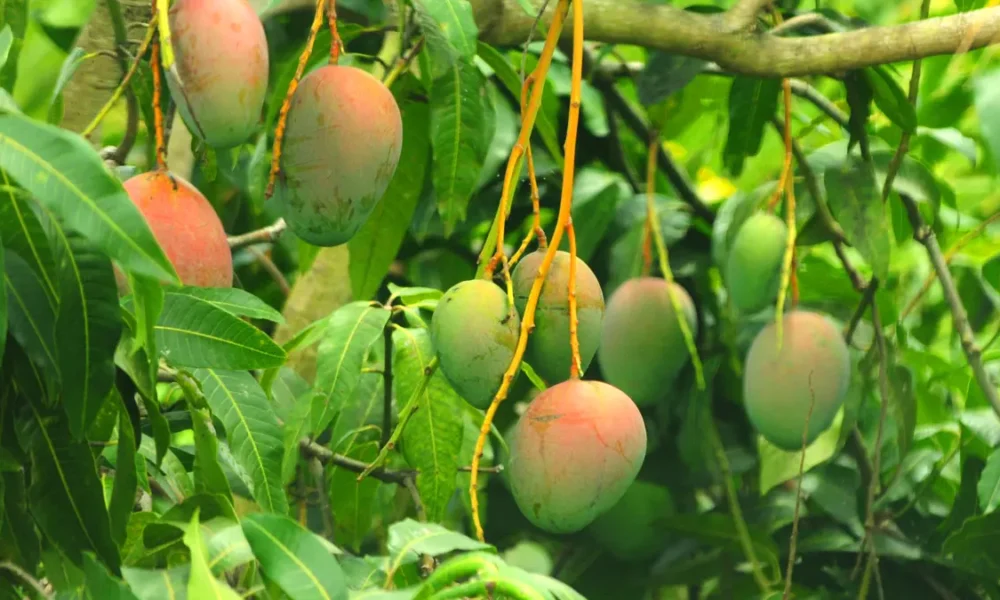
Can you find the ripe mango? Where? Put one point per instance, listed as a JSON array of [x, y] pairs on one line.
[[548, 350], [574, 453], [475, 330], [813, 365], [222, 60], [341, 149], [186, 226], [642, 347], [753, 266]]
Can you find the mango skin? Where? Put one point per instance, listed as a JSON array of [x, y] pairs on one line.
[[548, 350], [574, 453], [778, 385], [642, 347], [628, 530], [222, 59], [474, 332], [753, 266], [186, 226], [341, 149]]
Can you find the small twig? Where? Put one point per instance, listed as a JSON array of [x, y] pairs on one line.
[[387, 387], [852, 273], [404, 61], [734, 508], [801, 22], [960, 319], [866, 299], [793, 540], [743, 16], [316, 470], [494, 469], [271, 233], [328, 457], [418, 505], [576, 365], [812, 185], [272, 270], [25, 577], [948, 256]]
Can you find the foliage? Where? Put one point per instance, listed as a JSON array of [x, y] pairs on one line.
[[170, 441]]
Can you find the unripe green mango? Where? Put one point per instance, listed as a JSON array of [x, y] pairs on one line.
[[341, 150], [628, 530], [548, 350], [574, 453], [475, 330], [222, 60], [753, 266], [812, 366], [642, 346]]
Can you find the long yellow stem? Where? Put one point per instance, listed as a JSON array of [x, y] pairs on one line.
[[528, 123], [565, 202], [653, 227], [789, 185]]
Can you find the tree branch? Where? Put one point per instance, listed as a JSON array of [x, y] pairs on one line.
[[711, 36], [925, 235], [260, 236]]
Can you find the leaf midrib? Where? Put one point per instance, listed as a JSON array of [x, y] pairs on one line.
[[308, 572]]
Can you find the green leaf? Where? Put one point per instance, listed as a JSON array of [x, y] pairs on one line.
[[903, 406], [353, 328], [237, 302], [752, 103], [412, 296], [859, 100], [374, 247], [31, 317], [69, 67], [65, 14], [971, 544], [23, 234], [719, 530], [63, 172], [989, 484], [665, 74], [856, 204], [432, 438], [88, 327], [3, 303], [201, 582], [227, 546], [157, 584], [890, 99], [365, 407], [294, 558], [408, 539], [597, 194], [100, 583], [6, 41], [987, 97], [352, 501], [251, 429], [192, 332], [126, 477], [209, 477], [450, 30], [544, 124], [778, 466], [461, 130], [295, 427], [18, 537], [65, 494]]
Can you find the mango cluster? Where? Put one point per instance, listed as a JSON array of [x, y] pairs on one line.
[[793, 386]]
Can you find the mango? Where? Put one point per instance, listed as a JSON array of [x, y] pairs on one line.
[[629, 529], [753, 266], [574, 453], [811, 367], [642, 347], [548, 350], [222, 60], [341, 149], [186, 226], [475, 330]]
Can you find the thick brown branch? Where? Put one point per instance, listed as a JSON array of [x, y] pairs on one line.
[[743, 16], [711, 37]]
